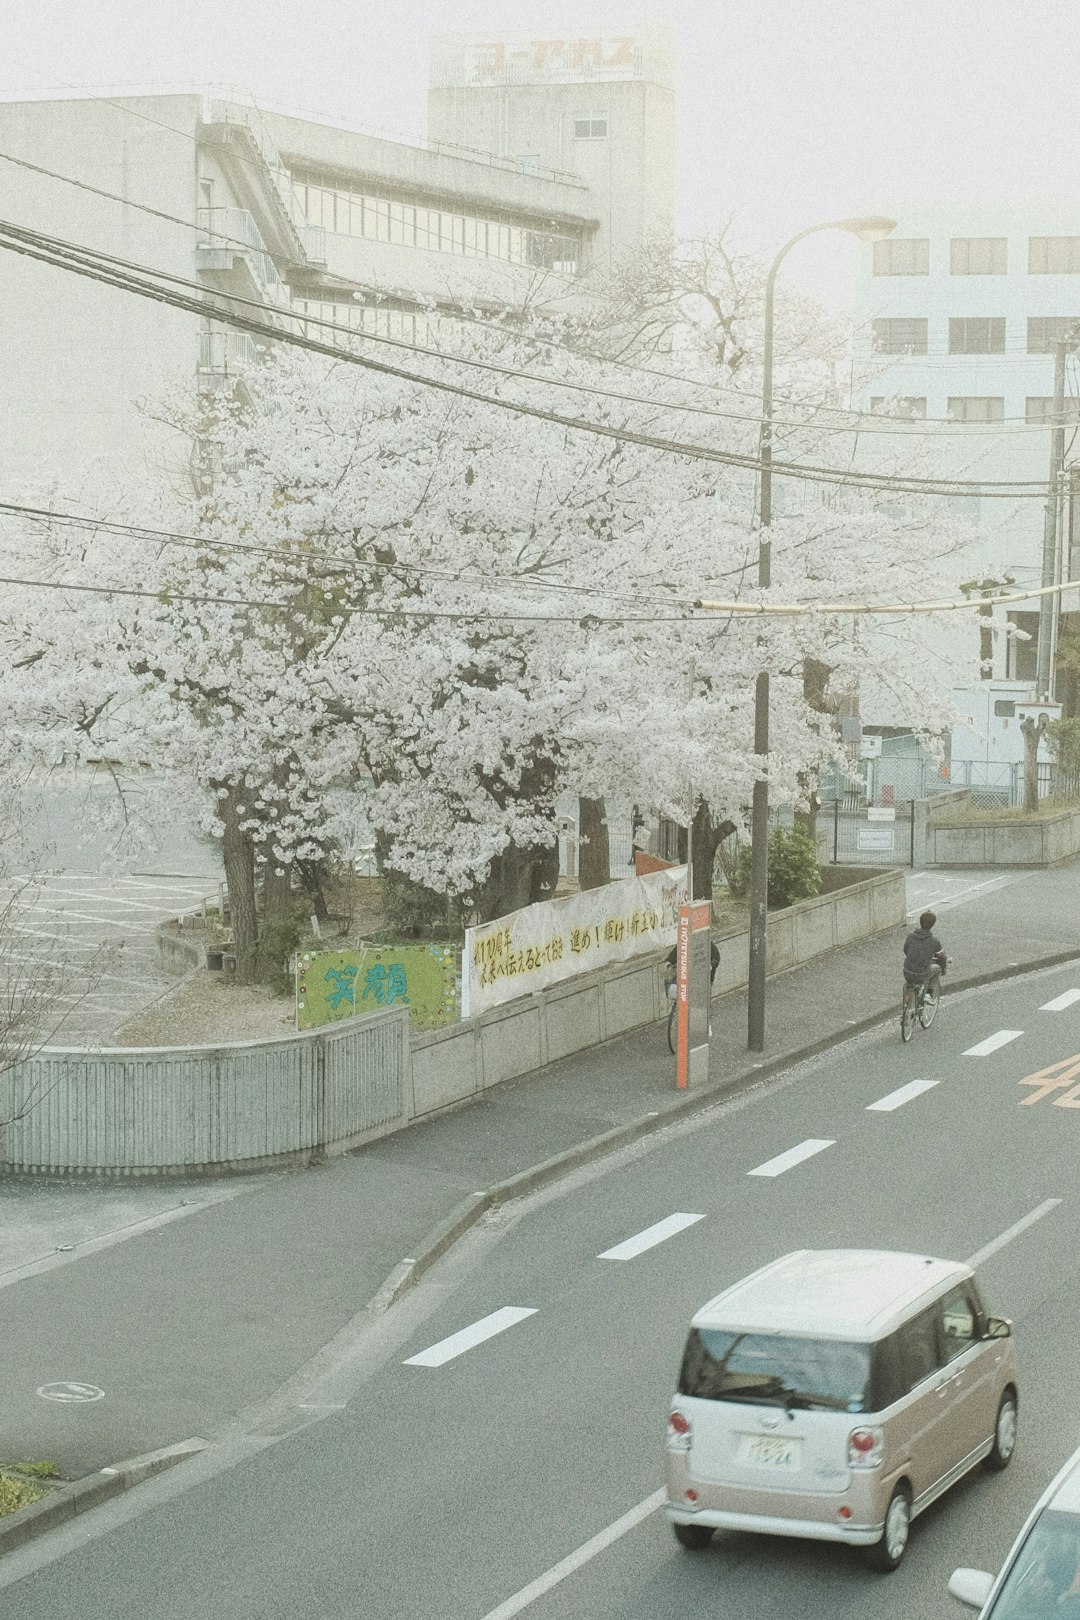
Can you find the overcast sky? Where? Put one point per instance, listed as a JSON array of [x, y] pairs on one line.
[[790, 111]]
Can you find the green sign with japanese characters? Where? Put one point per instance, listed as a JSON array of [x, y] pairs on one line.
[[340, 984]]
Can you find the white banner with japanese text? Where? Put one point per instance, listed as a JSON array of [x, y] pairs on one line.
[[544, 944]]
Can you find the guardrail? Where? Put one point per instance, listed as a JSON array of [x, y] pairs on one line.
[[201, 1108]]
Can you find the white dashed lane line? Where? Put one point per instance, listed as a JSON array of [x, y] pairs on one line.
[[793, 1156], [897, 1099], [1059, 1003], [993, 1042], [456, 1345], [652, 1235]]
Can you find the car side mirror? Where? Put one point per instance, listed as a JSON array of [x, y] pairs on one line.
[[971, 1586], [998, 1327]]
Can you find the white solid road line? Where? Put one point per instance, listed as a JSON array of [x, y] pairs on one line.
[[588, 1550], [897, 1099], [458, 1343], [793, 1156], [1014, 1231], [992, 1042], [1059, 1003], [651, 1236]]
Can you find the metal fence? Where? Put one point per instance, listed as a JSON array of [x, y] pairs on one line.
[[203, 1107]]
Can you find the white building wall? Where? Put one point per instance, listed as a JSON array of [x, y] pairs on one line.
[[1008, 534], [78, 356]]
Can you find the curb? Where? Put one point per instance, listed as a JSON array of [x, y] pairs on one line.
[[67, 1501], [467, 1214]]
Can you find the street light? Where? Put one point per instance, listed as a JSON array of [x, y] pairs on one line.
[[874, 228]]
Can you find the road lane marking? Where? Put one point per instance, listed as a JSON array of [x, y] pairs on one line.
[[992, 1042], [897, 1099], [588, 1550], [793, 1156], [476, 1333], [1059, 1003], [1014, 1231], [1054, 1078], [651, 1236]]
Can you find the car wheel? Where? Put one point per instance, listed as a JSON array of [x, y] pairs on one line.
[[694, 1537], [887, 1553], [1004, 1445]]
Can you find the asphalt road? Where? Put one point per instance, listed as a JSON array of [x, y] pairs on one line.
[[473, 1489]]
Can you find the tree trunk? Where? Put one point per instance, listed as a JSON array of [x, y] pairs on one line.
[[277, 889], [238, 854], [594, 851], [1031, 734], [815, 683], [707, 837]]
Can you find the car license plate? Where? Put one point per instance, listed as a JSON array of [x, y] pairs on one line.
[[770, 1451]]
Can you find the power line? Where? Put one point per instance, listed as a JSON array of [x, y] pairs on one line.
[[858, 421], [101, 267], [328, 564]]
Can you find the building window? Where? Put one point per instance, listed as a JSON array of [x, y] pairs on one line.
[[1021, 658], [977, 408], [1046, 330], [906, 335], [1039, 408], [903, 405], [904, 256], [977, 334], [593, 127], [978, 255], [1054, 255], [379, 219]]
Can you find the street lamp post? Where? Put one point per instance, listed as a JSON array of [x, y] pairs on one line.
[[871, 229]]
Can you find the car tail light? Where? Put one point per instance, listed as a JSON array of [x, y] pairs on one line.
[[678, 1431], [865, 1448]]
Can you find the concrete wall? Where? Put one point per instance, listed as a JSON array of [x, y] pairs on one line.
[[205, 1108], [455, 1064], [1046, 840]]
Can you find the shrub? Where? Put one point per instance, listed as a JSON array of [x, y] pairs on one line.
[[794, 873], [278, 942]]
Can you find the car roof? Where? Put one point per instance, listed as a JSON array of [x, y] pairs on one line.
[[831, 1293], [1063, 1492]]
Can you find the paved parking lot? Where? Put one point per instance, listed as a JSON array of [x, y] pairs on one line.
[[100, 933]]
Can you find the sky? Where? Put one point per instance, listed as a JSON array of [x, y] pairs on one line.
[[790, 111]]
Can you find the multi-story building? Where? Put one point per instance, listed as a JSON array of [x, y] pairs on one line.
[[958, 313], [601, 105], [311, 220]]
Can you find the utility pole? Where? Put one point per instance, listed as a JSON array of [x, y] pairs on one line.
[[872, 229], [1049, 605]]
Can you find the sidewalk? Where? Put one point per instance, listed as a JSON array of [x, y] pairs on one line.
[[188, 1302]]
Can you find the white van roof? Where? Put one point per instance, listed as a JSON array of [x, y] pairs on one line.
[[831, 1293]]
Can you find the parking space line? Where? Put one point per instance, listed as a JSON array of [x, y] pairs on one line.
[[650, 1237], [793, 1156], [487, 1327], [993, 1042], [897, 1099], [1059, 1003]]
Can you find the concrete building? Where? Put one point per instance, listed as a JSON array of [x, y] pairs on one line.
[[957, 316], [602, 106], [291, 211]]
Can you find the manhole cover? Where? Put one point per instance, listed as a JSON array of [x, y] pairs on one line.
[[71, 1392]]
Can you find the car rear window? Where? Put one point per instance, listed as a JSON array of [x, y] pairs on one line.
[[767, 1369]]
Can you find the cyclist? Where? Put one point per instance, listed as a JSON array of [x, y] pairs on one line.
[[924, 955]]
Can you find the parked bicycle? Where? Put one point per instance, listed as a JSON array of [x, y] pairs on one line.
[[672, 991]]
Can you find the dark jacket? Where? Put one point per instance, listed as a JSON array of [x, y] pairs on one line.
[[920, 948]]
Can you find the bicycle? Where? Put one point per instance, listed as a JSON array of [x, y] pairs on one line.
[[920, 1001], [672, 992]]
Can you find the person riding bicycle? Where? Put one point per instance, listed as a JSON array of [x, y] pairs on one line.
[[924, 954]]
